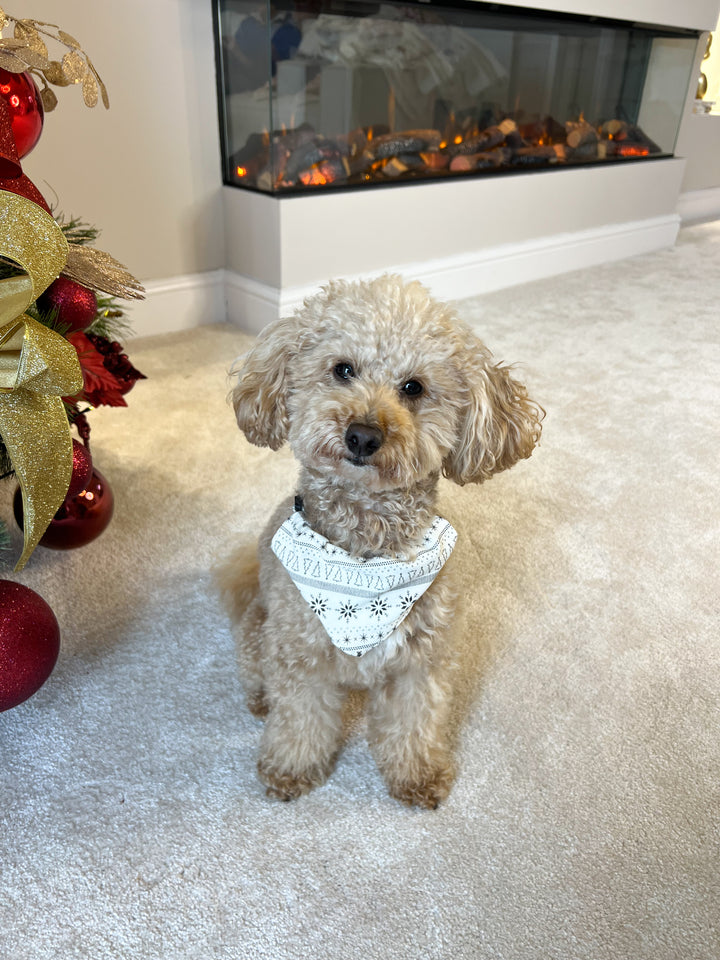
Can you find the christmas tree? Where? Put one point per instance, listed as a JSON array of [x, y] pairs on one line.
[[60, 320]]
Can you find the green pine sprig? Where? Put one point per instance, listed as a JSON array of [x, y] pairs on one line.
[[77, 230]]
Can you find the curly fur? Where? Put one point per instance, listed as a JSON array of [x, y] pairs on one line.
[[471, 420]]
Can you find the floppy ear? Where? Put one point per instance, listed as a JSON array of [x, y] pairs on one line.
[[500, 424], [260, 394]]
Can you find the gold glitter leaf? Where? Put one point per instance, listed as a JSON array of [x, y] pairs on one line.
[[12, 44], [25, 30], [98, 270], [49, 100], [33, 59], [103, 88], [10, 63], [54, 74], [90, 90], [68, 40], [74, 67]]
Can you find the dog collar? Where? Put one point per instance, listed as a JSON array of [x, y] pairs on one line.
[[359, 601]]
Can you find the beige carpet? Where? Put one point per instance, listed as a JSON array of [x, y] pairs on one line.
[[585, 821]]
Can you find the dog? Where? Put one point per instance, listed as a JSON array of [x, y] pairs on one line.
[[379, 390]]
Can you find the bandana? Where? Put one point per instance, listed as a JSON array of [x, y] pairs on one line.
[[359, 601]]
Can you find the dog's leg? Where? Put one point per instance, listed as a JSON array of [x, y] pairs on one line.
[[408, 733], [249, 658], [302, 735], [237, 579]]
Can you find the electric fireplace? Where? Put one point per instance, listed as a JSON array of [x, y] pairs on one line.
[[321, 95]]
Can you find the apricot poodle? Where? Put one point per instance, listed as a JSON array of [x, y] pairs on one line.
[[379, 390]]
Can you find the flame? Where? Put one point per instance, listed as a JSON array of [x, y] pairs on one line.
[[458, 139], [632, 150], [240, 171], [314, 177]]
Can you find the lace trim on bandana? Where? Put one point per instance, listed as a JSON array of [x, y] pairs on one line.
[[359, 602]]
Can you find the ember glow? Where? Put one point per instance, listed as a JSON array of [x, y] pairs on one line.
[[298, 157]]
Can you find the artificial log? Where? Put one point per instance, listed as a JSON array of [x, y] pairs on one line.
[[308, 155], [534, 156], [487, 160], [484, 141], [407, 141], [545, 131], [435, 161], [580, 132], [325, 172]]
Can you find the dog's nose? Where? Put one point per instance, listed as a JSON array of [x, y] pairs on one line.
[[363, 440]]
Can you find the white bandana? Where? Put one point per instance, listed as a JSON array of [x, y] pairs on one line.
[[360, 602]]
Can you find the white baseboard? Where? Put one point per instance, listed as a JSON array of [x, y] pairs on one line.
[[697, 205], [251, 305], [179, 303]]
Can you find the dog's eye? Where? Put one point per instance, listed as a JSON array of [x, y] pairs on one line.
[[412, 388], [343, 371]]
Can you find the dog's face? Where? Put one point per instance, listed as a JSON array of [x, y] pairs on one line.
[[380, 385]]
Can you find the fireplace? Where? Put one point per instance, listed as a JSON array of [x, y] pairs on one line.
[[336, 164], [319, 95]]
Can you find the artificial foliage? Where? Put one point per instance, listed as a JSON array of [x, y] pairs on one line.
[[107, 371], [61, 323]]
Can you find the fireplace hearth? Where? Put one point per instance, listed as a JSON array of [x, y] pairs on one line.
[[317, 95]]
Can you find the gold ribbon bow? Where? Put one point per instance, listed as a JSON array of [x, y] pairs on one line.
[[37, 367]]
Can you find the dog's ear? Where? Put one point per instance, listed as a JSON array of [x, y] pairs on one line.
[[499, 424], [260, 394]]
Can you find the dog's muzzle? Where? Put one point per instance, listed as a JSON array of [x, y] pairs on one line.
[[362, 440]]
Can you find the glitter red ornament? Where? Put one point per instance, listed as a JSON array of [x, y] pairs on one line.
[[26, 110], [75, 304], [80, 519], [81, 469], [29, 643]]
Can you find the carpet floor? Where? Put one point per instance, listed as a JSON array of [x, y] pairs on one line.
[[585, 820]]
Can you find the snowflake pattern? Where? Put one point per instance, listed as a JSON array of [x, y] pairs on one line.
[[406, 601], [347, 610], [379, 607], [318, 605]]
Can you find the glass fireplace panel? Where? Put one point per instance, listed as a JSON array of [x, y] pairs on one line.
[[327, 94]]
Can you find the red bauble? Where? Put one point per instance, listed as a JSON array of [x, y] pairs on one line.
[[75, 304], [81, 469], [29, 643], [80, 519], [26, 109]]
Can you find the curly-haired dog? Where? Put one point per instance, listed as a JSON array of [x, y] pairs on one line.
[[379, 390]]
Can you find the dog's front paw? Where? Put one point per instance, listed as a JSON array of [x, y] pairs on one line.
[[289, 786], [428, 791]]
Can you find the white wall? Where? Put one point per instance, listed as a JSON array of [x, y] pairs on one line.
[[147, 172]]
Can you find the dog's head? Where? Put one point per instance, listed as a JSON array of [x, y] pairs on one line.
[[379, 384]]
